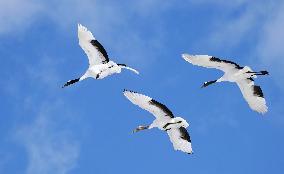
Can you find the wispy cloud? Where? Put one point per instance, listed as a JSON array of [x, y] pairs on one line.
[[104, 18], [16, 15], [260, 23], [50, 148], [259, 26], [270, 46], [234, 26], [49, 143]]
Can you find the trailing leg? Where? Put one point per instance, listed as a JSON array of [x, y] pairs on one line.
[[139, 128]]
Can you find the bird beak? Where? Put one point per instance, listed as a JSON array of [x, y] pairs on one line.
[[135, 130]]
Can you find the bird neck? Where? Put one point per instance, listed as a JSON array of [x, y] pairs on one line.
[[223, 78]]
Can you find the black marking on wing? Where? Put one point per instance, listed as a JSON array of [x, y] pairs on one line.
[[215, 59], [184, 134], [167, 124], [162, 107], [168, 129], [251, 79], [257, 91], [101, 49]]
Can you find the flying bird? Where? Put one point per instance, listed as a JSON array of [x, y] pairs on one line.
[[165, 121], [99, 64], [243, 76]]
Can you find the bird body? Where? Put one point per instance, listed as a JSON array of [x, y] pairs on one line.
[[236, 75], [242, 76], [165, 124], [99, 64], [101, 71], [165, 121]]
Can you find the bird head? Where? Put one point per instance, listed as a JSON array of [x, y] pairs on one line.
[[264, 72], [205, 84]]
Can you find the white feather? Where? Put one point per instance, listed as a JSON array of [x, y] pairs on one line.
[[85, 37], [233, 73], [164, 120]]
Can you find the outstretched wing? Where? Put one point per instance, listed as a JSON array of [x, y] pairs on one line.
[[157, 109], [92, 47], [180, 139], [211, 62], [253, 95]]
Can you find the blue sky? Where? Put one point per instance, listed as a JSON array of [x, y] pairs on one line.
[[86, 128]]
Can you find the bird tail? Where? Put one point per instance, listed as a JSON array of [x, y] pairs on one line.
[[126, 67], [70, 82]]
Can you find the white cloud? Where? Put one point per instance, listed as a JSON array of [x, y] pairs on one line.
[[270, 52], [111, 19], [261, 25], [235, 25], [270, 47], [51, 146], [50, 149], [260, 22], [16, 15]]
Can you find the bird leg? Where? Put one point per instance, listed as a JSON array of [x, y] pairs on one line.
[[259, 73], [139, 128], [98, 75]]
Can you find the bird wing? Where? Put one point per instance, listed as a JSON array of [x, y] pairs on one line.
[[211, 62], [159, 110], [180, 139], [253, 95], [92, 47]]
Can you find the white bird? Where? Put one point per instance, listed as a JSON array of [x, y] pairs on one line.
[[165, 121], [99, 64], [233, 72]]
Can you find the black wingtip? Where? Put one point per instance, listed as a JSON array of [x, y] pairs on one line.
[[257, 91], [215, 59]]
